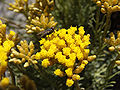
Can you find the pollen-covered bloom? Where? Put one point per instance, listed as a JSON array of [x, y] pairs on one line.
[[108, 6], [67, 48], [6, 43], [58, 72]]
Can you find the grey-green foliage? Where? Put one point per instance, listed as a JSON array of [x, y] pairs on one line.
[[73, 12]]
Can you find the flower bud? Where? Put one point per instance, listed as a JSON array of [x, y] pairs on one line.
[[69, 82], [103, 10], [75, 77], [5, 82], [106, 5], [98, 3], [112, 48], [117, 62], [90, 58]]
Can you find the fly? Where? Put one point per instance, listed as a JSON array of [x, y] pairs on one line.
[[46, 32]]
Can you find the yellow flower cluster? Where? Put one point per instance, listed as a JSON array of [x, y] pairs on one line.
[[38, 14], [25, 54], [113, 42], [11, 36], [18, 6], [108, 6], [6, 43], [68, 49], [41, 6], [40, 24], [35, 9]]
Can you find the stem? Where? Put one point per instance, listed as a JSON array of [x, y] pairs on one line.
[[12, 75], [109, 72], [21, 70], [96, 27], [44, 74], [107, 25], [77, 85], [26, 11], [111, 66], [11, 22]]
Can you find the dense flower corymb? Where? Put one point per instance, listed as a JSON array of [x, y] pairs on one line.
[[66, 48], [108, 6], [6, 43]]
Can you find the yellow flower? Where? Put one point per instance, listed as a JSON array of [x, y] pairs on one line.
[[112, 48], [4, 64], [61, 43], [72, 30], [84, 62], [72, 56], [42, 41], [80, 56], [75, 77], [55, 40], [69, 72], [8, 45], [117, 62], [62, 33], [45, 63], [50, 53], [108, 6], [58, 55], [26, 0], [68, 49], [81, 31], [24, 54], [80, 68], [4, 82], [90, 58], [62, 59], [53, 47], [43, 53], [58, 72], [69, 62], [12, 33], [37, 56], [47, 44], [69, 82]]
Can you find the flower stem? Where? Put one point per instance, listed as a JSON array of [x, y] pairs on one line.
[[107, 24], [12, 75], [77, 85]]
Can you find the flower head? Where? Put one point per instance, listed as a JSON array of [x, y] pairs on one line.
[[6, 43], [69, 82], [113, 42], [68, 49], [26, 53], [108, 6]]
